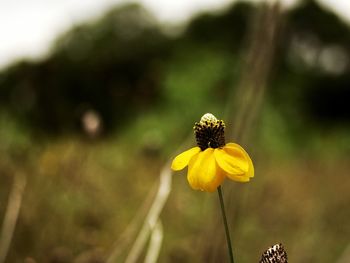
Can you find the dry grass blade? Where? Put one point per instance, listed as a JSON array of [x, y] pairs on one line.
[[154, 209], [11, 215], [258, 59], [153, 214], [155, 243], [131, 230], [247, 100]]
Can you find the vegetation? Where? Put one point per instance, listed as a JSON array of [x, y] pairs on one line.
[[147, 87]]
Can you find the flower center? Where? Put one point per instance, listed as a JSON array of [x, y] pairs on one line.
[[209, 132]]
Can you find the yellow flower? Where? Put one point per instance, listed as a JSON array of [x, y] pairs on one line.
[[213, 160]]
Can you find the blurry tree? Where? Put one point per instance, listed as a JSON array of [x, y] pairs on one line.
[[311, 81], [221, 31], [115, 67], [111, 66]]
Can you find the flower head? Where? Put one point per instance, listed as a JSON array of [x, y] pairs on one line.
[[276, 253], [212, 160]]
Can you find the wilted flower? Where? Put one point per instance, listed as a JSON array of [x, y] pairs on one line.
[[275, 254], [213, 160]]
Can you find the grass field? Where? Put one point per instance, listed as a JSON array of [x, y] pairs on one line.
[[82, 195]]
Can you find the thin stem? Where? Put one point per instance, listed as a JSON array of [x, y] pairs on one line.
[[228, 239]]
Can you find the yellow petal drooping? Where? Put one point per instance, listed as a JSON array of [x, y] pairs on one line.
[[238, 178], [231, 164], [239, 153], [203, 172], [182, 160]]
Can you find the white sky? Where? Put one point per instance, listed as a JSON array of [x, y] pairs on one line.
[[28, 27]]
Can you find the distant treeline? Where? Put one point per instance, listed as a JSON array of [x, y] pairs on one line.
[[115, 66]]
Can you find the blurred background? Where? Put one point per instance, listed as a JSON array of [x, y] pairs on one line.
[[96, 97]]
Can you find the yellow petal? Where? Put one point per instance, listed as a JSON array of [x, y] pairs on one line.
[[239, 178], [238, 152], [182, 160], [193, 170], [231, 164], [203, 172]]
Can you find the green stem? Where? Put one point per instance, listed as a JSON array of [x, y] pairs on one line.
[[228, 239]]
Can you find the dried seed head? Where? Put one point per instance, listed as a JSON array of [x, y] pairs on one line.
[[209, 132], [275, 254]]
